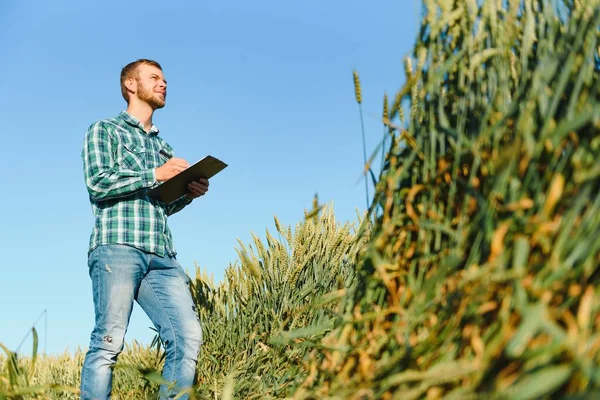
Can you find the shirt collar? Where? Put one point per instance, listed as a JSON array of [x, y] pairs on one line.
[[133, 121]]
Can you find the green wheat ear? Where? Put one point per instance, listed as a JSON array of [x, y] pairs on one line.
[[397, 108], [278, 225], [386, 121], [386, 114], [357, 92]]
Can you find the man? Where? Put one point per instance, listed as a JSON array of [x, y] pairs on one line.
[[131, 254]]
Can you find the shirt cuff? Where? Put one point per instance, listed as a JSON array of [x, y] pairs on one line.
[[149, 178]]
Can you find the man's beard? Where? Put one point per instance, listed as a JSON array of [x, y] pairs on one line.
[[151, 98]]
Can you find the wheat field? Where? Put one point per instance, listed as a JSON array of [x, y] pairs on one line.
[[473, 275]]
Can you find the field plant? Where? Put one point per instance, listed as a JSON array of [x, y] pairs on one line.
[[281, 297], [480, 280], [474, 274], [40, 376]]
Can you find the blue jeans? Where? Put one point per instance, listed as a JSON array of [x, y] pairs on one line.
[[121, 274]]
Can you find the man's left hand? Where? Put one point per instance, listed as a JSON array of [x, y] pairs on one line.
[[197, 188]]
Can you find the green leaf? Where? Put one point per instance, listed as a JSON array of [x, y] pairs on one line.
[[532, 322], [34, 352], [540, 383], [441, 373], [591, 395], [287, 337], [155, 377]]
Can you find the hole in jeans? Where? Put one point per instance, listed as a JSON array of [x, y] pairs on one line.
[[107, 338]]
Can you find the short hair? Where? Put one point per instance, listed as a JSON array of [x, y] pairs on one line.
[[130, 71]]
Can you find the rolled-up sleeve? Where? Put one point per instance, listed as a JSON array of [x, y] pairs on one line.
[[178, 205]]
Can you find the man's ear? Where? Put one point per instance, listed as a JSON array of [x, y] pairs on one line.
[[131, 85]]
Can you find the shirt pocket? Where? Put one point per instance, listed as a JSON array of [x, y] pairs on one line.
[[164, 154], [133, 156]]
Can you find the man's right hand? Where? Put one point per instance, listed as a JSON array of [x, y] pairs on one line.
[[170, 169]]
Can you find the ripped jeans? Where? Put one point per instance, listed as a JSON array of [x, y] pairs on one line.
[[121, 274]]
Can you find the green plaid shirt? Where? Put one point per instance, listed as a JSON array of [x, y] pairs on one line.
[[119, 159]]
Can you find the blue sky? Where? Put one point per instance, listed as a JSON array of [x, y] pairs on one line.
[[266, 86]]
